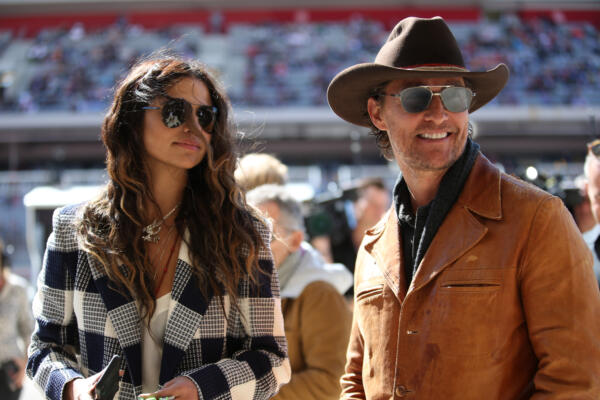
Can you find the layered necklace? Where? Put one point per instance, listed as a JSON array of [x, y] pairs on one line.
[[159, 266], [150, 232]]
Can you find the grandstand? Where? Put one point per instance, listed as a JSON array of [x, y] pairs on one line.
[[60, 58]]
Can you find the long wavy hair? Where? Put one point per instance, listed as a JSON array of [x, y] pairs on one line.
[[223, 242]]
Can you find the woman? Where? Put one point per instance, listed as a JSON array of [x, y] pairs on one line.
[[17, 325], [168, 268]]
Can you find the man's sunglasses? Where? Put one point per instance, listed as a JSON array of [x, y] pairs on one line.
[[176, 111], [594, 147], [417, 99]]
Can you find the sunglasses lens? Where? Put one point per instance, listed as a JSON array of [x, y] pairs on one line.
[[457, 99], [415, 99], [206, 117], [595, 149], [173, 113]]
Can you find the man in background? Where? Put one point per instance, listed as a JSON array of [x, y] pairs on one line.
[[591, 170], [316, 317]]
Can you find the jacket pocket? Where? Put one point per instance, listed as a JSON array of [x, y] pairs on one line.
[[478, 280], [366, 292]]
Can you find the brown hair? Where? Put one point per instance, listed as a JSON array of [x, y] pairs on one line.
[[223, 242], [381, 137]]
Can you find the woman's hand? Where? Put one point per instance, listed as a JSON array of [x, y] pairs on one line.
[[182, 388], [82, 388]]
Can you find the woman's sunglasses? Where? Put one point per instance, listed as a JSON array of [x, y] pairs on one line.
[[417, 99], [176, 111]]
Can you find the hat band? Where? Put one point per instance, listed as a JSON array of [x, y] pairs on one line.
[[436, 67]]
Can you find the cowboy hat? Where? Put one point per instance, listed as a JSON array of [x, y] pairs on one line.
[[416, 48]]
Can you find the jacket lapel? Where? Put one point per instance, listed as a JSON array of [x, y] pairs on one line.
[[461, 230], [124, 320], [186, 310], [383, 243]]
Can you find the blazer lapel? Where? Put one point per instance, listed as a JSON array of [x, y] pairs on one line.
[[124, 321], [186, 310]]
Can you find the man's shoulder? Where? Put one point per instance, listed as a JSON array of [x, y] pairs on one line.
[[513, 187]]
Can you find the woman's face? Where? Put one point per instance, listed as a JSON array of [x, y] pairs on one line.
[[184, 146]]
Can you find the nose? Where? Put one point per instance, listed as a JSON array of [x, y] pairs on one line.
[[436, 111], [195, 129]]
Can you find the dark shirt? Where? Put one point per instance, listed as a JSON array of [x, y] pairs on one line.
[[417, 230]]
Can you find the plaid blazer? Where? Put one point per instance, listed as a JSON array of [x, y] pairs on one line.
[[81, 323]]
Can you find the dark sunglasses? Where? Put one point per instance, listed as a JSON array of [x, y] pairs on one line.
[[594, 147], [176, 111], [417, 99]]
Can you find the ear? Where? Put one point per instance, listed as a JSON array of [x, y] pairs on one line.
[[375, 113], [295, 240]]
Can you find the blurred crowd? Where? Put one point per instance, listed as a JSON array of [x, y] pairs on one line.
[[552, 62]]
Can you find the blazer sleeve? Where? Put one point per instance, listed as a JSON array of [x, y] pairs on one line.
[[54, 344], [261, 366], [561, 302]]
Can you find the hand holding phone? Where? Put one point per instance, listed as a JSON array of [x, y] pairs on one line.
[[107, 386]]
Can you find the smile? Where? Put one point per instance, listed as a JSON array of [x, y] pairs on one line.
[[434, 136]]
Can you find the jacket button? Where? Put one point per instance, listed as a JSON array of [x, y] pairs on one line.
[[402, 391]]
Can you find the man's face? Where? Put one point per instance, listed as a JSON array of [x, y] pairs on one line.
[[593, 184], [431, 140], [280, 243]]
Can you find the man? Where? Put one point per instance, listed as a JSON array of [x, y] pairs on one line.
[[475, 285], [370, 205], [316, 318], [591, 169]]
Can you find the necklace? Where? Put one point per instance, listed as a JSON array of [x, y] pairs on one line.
[[150, 232], [163, 247], [166, 267]]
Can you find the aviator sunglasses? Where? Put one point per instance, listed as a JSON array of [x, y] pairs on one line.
[[176, 111], [418, 98], [594, 147]]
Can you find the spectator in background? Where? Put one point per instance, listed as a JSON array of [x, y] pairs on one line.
[[255, 169], [591, 170], [316, 317], [582, 210], [373, 200], [16, 321]]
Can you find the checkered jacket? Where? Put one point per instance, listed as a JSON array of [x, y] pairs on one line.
[[82, 322]]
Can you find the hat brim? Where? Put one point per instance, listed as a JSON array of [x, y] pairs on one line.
[[349, 90]]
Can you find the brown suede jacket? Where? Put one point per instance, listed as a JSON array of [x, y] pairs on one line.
[[504, 304]]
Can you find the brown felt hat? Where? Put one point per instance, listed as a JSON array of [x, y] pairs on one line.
[[416, 48]]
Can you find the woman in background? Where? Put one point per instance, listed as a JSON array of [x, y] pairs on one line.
[[168, 267], [17, 324]]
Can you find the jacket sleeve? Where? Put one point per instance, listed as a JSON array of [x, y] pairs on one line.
[[324, 328], [352, 384], [561, 302], [261, 366], [54, 343]]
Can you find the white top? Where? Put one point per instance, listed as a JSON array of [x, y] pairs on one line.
[[152, 344]]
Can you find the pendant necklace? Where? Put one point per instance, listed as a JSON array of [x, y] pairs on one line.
[[150, 232]]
